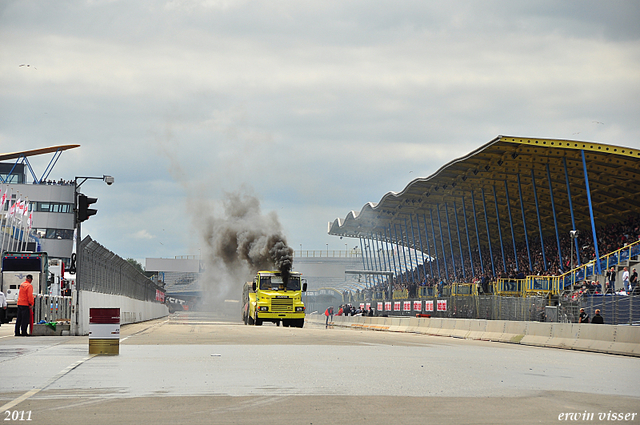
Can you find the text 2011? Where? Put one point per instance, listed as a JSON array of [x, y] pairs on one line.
[[17, 415]]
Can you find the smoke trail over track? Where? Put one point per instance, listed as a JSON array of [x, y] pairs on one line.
[[238, 244]]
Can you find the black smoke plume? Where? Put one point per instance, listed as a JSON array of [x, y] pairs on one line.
[[241, 242], [282, 256]]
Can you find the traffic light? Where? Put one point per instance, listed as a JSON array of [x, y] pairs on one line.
[[84, 212]]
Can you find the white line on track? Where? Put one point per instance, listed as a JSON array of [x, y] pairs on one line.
[[147, 328], [63, 372], [34, 391]]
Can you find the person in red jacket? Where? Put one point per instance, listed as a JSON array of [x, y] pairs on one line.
[[25, 302], [328, 313]]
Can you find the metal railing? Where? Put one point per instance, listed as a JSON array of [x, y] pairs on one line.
[[555, 285], [581, 273], [51, 308], [511, 287], [319, 253]]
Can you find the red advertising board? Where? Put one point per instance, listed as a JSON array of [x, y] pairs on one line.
[[159, 296], [442, 305], [417, 306], [387, 306], [380, 306], [396, 305], [428, 306], [406, 306]]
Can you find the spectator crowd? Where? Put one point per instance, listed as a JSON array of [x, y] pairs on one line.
[[437, 273]]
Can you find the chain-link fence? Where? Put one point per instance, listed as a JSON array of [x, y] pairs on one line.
[[100, 270], [616, 309]]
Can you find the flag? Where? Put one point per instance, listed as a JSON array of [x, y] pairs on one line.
[[13, 208], [20, 211], [30, 221]]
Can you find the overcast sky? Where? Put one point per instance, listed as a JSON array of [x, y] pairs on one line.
[[316, 107]]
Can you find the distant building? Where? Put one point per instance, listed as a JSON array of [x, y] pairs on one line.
[[179, 276], [52, 227], [50, 206]]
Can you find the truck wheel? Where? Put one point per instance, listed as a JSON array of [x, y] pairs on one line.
[[300, 323], [257, 321], [250, 320]]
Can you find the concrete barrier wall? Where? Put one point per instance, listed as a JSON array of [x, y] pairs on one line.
[[611, 339], [131, 311], [538, 333]]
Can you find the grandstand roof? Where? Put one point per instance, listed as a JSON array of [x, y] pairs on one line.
[[34, 152], [613, 179]]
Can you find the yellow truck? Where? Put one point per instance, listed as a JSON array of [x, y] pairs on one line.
[[270, 299]]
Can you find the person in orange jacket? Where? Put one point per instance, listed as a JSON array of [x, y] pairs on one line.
[[329, 313], [25, 302]]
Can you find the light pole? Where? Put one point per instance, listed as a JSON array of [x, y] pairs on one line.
[[574, 235], [109, 180]]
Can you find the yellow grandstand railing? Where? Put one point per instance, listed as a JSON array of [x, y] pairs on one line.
[[427, 291], [400, 294], [510, 287], [557, 284], [464, 289], [538, 285]]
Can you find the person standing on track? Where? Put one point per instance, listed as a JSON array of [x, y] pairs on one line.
[[328, 313], [25, 302]]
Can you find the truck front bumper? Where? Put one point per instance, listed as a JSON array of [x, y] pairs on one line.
[[266, 315]]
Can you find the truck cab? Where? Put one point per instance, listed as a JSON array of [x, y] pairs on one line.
[[270, 299]]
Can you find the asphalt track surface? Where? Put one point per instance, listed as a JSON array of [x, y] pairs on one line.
[[197, 368]]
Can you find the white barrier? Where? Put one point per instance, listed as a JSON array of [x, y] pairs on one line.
[[618, 339], [538, 333], [131, 311], [494, 331]]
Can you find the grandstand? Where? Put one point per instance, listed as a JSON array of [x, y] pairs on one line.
[[501, 218]]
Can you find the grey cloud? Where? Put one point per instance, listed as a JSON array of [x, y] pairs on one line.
[[319, 106]]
